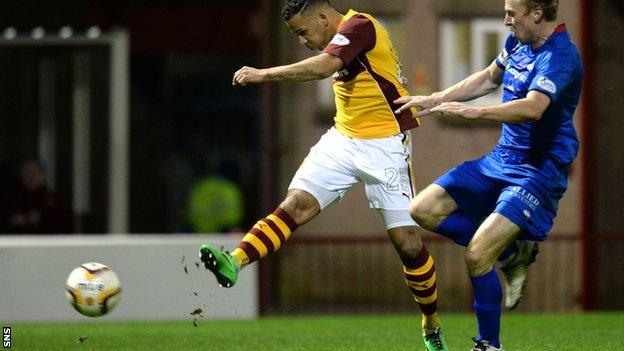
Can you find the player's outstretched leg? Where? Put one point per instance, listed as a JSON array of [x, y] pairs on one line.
[[516, 269], [266, 236]]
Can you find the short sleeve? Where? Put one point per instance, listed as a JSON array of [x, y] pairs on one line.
[[510, 44], [356, 35], [553, 74]]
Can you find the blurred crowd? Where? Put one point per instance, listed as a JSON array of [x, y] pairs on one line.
[[27, 206]]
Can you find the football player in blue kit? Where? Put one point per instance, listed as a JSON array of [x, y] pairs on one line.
[[499, 205]]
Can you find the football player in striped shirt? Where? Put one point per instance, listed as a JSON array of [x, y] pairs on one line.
[[368, 143]]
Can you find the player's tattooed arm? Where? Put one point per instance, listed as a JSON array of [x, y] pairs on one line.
[[313, 68], [302, 75]]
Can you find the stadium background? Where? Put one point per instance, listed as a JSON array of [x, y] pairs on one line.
[[187, 122]]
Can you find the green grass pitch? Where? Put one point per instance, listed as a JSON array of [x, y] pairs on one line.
[[530, 332]]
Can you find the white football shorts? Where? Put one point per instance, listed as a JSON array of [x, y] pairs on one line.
[[337, 162]]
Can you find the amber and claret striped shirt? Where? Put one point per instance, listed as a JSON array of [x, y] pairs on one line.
[[370, 80]]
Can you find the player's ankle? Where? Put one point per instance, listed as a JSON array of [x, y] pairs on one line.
[[240, 258], [430, 323]]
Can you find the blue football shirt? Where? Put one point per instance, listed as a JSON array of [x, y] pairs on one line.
[[555, 69]]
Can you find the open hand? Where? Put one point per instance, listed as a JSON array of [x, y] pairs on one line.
[[422, 104]]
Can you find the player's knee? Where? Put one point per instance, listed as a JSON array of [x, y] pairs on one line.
[[431, 206], [420, 210], [476, 262], [407, 242], [300, 205]]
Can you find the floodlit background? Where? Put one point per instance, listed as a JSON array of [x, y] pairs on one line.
[[129, 109]]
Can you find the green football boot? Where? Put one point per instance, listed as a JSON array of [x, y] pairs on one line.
[[220, 263], [435, 341]]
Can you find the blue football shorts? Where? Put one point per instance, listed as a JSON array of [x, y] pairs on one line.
[[526, 193]]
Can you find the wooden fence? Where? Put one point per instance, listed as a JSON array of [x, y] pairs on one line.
[[364, 275]]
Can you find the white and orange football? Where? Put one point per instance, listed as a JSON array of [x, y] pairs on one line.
[[93, 289]]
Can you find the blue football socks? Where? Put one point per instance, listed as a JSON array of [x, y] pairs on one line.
[[457, 227], [488, 295]]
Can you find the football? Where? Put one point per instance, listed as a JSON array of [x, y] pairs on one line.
[[93, 289]]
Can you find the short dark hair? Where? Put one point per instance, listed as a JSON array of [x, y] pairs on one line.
[[548, 6], [294, 7]]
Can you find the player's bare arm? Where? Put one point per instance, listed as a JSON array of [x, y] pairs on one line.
[[314, 68], [476, 85], [529, 109]]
